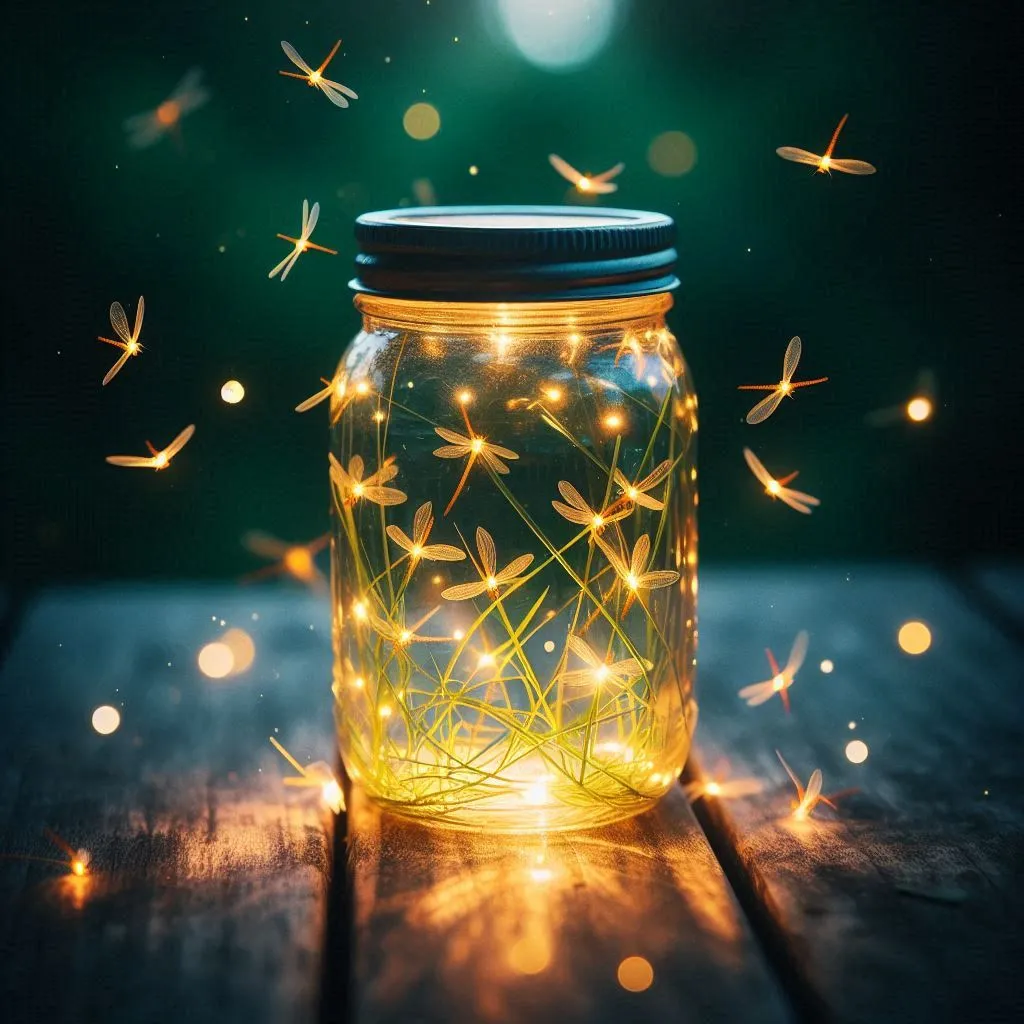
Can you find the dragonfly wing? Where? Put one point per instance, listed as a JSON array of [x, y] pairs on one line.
[[119, 322], [443, 553], [798, 156], [263, 544], [290, 262], [463, 591], [566, 170], [852, 166], [398, 535], [794, 350], [756, 467], [384, 495], [138, 461], [143, 130], [180, 441], [797, 654], [116, 368], [813, 789], [764, 409], [789, 772], [280, 266], [293, 55], [582, 650], [574, 515], [612, 172], [452, 436], [314, 399], [139, 311], [336, 87], [514, 568], [488, 555], [804, 499], [794, 503]]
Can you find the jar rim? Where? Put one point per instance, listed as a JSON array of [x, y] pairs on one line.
[[514, 253]]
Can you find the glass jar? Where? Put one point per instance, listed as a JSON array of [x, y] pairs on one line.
[[514, 535]]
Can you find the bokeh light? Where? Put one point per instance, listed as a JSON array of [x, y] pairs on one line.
[[242, 647], [826, 666], [530, 954], [106, 719], [216, 660], [672, 154], [635, 974], [557, 36], [421, 121], [919, 409], [232, 392], [856, 751], [914, 637]]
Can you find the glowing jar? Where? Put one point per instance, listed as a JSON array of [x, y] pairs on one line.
[[514, 543]]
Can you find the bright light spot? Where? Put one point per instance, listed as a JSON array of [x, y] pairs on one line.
[[458, 634], [216, 660], [486, 661], [712, 789], [357, 490], [378, 416], [553, 394], [232, 392], [530, 954], [537, 792], [632, 493], [359, 611], [465, 397], [358, 682], [597, 522], [601, 673], [852, 725], [299, 562], [778, 682], [914, 637], [919, 409], [78, 867], [857, 751], [672, 154], [436, 580], [549, 645], [333, 797], [613, 421], [421, 121], [417, 551], [474, 170], [632, 581], [557, 36], [773, 487], [106, 719], [405, 636], [492, 582], [384, 711], [477, 445], [635, 974], [243, 650], [826, 666]]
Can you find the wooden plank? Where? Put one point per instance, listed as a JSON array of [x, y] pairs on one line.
[[906, 905], [451, 926], [207, 888]]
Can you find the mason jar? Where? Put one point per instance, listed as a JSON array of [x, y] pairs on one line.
[[514, 539]]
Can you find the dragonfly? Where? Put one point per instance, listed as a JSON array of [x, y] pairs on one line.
[[776, 488], [595, 184], [317, 775], [491, 578], [600, 670], [129, 340], [826, 164], [295, 560], [302, 243], [334, 91], [475, 447], [156, 459], [781, 679], [785, 387], [809, 798], [147, 128]]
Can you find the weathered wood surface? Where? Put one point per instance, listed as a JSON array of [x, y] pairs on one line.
[[207, 888], [907, 905], [451, 926]]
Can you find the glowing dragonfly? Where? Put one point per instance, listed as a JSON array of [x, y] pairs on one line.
[[809, 798], [776, 488], [129, 340], [145, 129], [334, 91], [785, 387], [596, 184], [318, 775], [781, 679], [295, 560], [157, 459], [302, 243], [826, 164]]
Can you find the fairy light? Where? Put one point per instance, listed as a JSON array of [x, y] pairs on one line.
[[232, 392], [914, 637], [553, 394], [474, 170], [919, 409], [601, 673], [856, 751], [384, 711], [635, 974], [851, 725], [106, 719], [332, 796], [713, 789], [465, 397], [378, 416], [458, 634], [549, 645], [613, 421], [359, 682], [359, 610], [826, 666], [362, 388], [79, 865], [485, 661]]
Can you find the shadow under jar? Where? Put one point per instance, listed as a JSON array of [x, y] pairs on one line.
[[514, 538]]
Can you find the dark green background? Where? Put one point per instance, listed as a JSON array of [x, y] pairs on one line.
[[881, 276]]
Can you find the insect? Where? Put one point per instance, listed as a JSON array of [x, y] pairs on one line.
[[776, 488], [781, 679], [918, 408], [145, 129], [78, 860], [157, 459], [600, 670], [768, 405], [826, 164], [416, 546], [352, 485], [720, 786], [295, 560], [633, 574], [476, 447], [490, 578], [317, 774], [302, 243], [595, 184], [809, 798], [129, 340], [334, 91]]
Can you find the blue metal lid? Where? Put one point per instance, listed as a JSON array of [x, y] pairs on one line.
[[514, 253]]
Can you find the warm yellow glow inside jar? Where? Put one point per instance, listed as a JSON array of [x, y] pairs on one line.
[[514, 559]]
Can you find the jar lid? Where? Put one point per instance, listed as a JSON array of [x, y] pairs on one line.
[[514, 253]]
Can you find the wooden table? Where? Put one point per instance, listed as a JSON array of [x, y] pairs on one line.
[[216, 894]]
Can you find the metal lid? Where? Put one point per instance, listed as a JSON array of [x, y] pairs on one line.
[[514, 253]]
